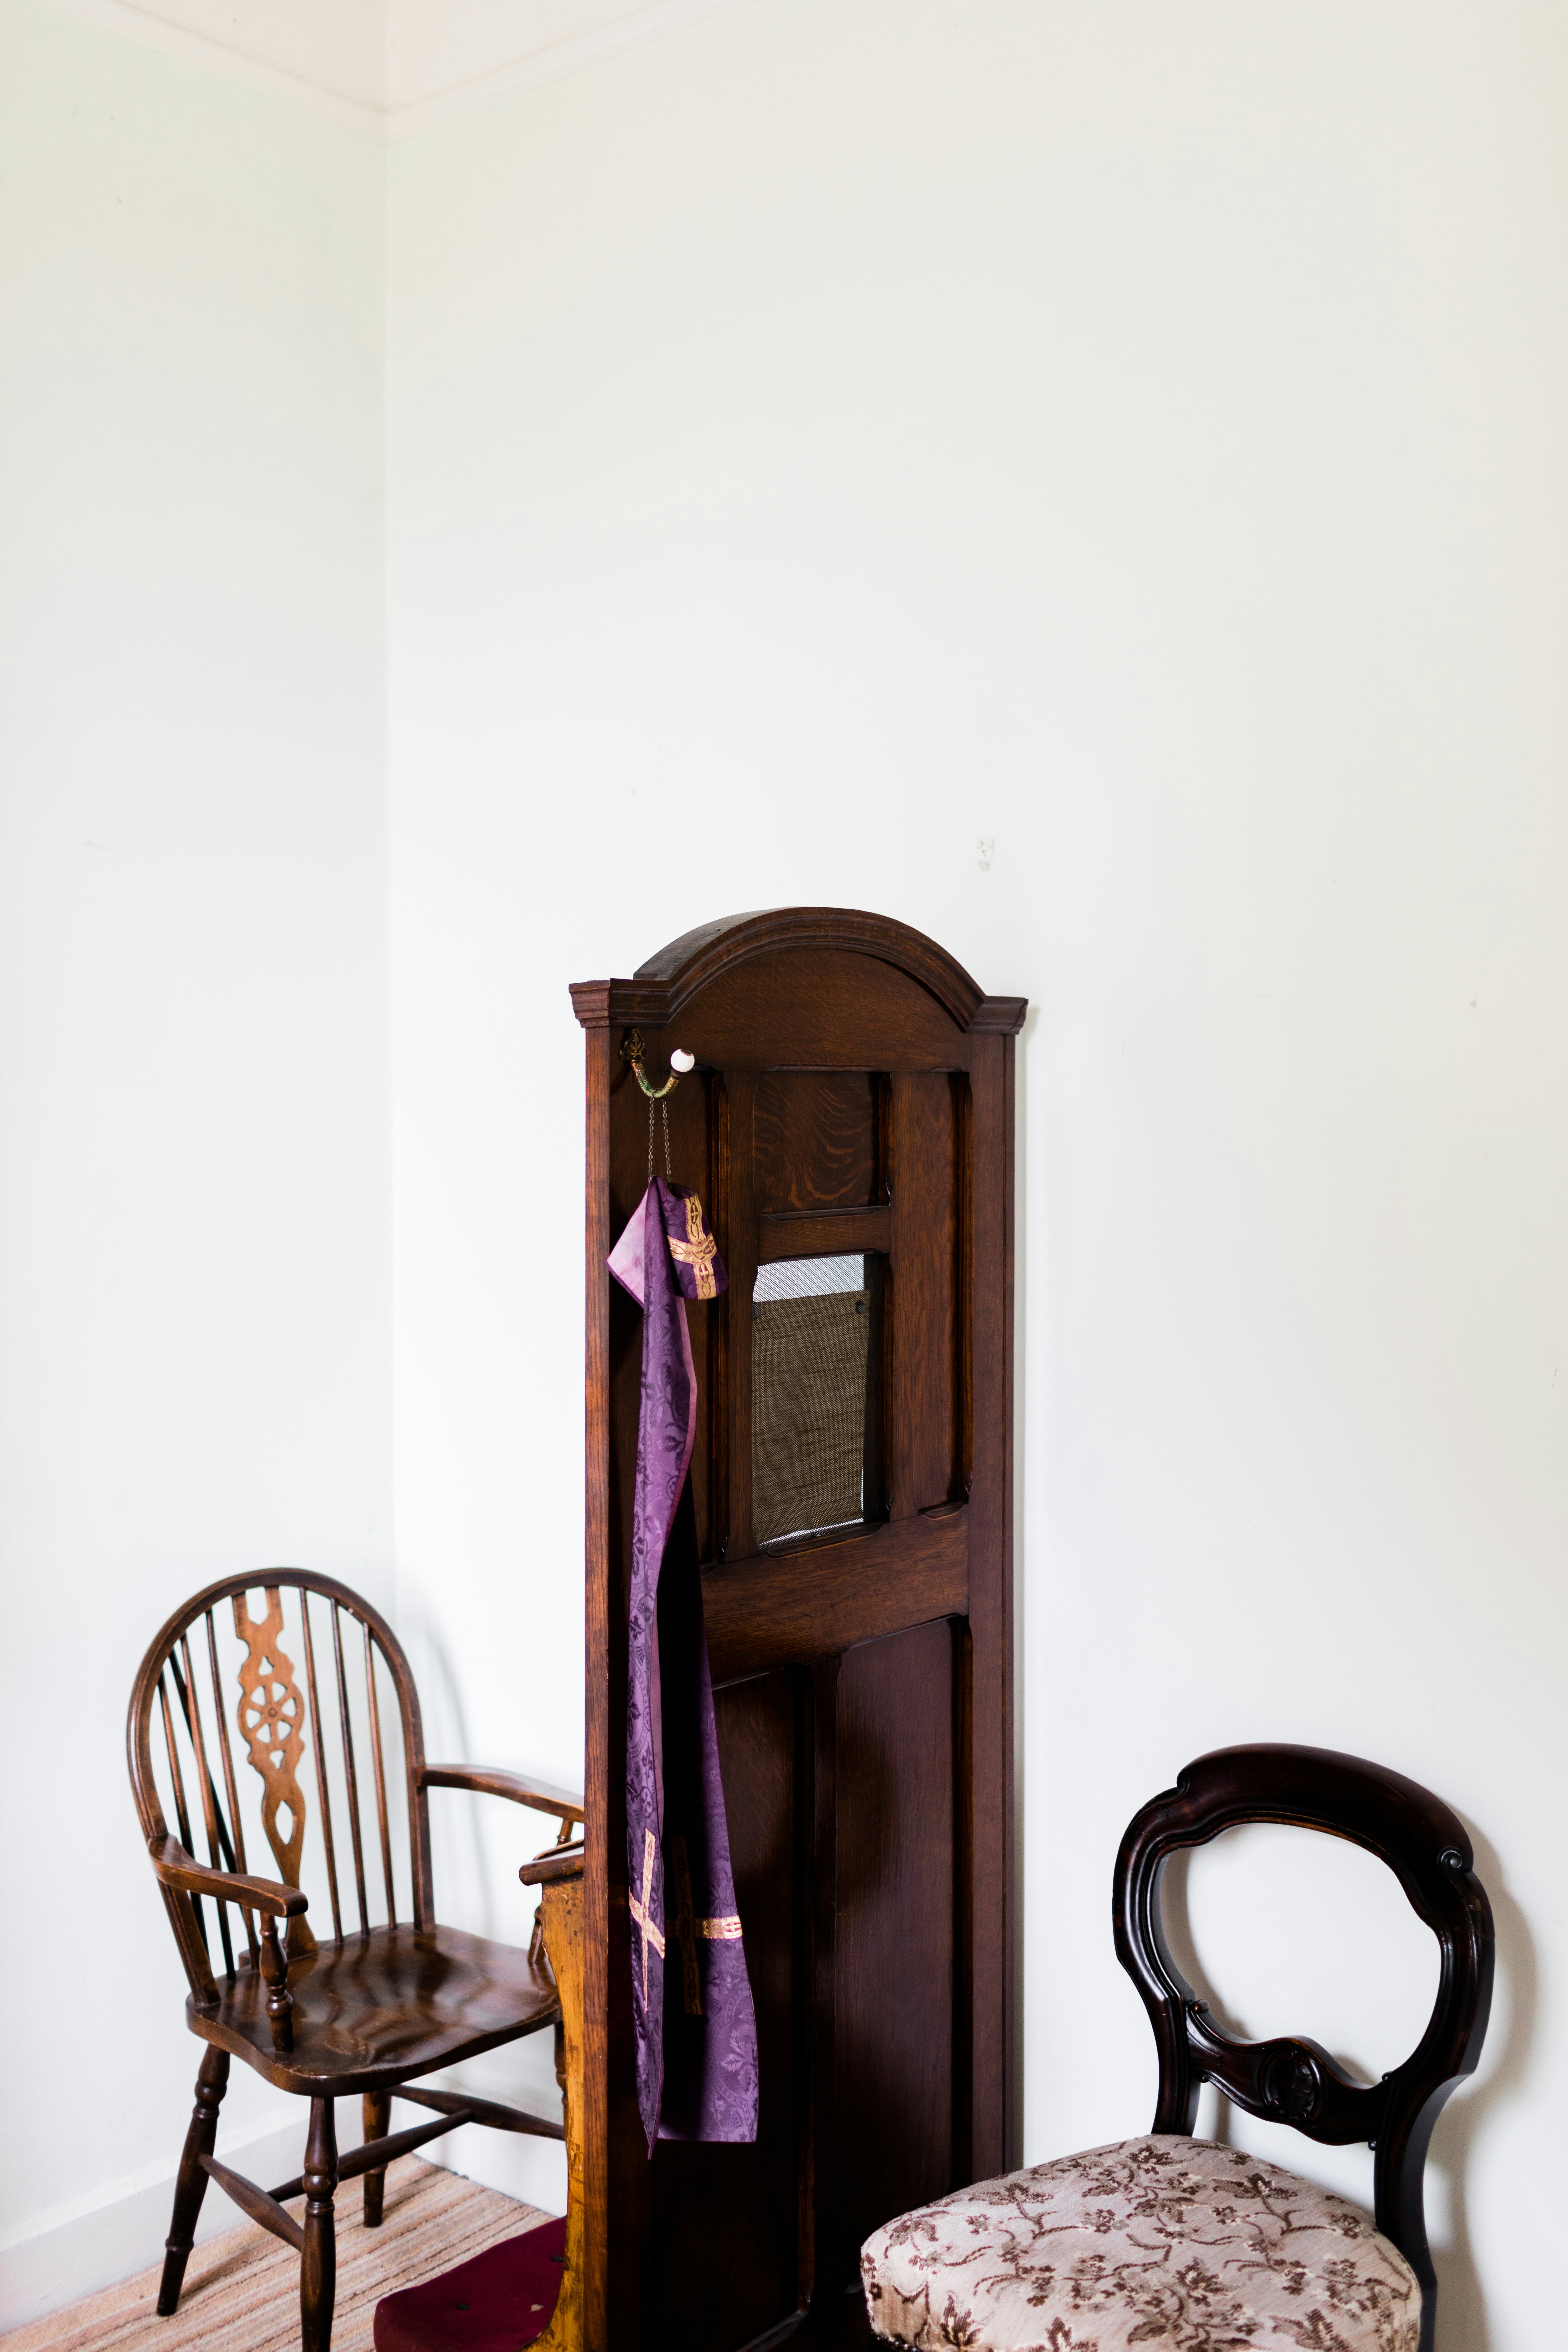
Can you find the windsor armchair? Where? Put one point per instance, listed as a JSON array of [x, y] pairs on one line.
[[1177, 2239], [391, 1995]]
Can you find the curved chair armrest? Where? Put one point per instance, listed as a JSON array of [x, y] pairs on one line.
[[180, 1870], [549, 1869], [486, 1781]]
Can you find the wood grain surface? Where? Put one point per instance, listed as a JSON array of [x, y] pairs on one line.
[[853, 1095], [319, 1700]]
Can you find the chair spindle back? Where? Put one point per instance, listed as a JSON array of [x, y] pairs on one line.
[[254, 1692]]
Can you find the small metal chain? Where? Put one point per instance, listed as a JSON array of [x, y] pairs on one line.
[[663, 1102], [664, 1114]]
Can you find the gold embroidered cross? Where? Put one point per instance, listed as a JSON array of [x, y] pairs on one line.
[[698, 1251], [643, 1912]]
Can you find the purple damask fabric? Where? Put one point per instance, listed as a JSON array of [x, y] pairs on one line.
[[697, 2051]]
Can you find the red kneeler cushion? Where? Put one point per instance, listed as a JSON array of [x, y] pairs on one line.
[[503, 2298]]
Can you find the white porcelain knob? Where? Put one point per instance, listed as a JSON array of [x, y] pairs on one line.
[[682, 1062]]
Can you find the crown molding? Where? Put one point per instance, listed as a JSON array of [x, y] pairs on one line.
[[151, 32], [388, 124], [553, 64], [660, 989]]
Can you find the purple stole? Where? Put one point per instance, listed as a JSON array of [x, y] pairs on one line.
[[697, 2053]]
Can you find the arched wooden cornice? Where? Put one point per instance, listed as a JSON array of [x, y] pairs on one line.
[[668, 980]]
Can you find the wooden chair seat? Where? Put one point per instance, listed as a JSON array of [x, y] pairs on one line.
[[382, 2009]]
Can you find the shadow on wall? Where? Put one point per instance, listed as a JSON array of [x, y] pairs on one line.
[[1461, 2304], [465, 1896]]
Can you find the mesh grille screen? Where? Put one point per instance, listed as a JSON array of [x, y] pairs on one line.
[[808, 1411]]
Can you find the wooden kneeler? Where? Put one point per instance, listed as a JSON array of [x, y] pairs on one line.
[[493, 2301]]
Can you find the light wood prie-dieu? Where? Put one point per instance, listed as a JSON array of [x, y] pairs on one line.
[[559, 1877], [853, 1095], [317, 1716]]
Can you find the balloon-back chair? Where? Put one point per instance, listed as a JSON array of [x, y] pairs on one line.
[[1170, 2239]]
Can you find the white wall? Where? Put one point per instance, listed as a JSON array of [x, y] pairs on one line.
[[387, 68], [843, 432], [1127, 434], [193, 1198]]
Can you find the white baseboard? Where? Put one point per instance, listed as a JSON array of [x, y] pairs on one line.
[[75, 2248], [533, 2171]]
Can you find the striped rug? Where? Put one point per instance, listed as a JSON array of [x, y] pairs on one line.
[[242, 2289]]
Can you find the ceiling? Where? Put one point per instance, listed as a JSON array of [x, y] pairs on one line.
[[390, 67]]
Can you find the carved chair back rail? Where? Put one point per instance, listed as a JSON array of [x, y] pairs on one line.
[[1292, 2079], [274, 1714]]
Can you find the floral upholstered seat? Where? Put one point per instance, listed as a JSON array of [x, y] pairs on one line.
[[1179, 2244], [1167, 2242]]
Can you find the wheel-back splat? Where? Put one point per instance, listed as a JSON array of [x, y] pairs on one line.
[[269, 1715]]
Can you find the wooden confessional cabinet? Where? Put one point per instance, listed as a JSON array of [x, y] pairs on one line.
[[849, 1128]]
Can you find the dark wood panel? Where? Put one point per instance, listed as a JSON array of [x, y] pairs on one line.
[[872, 1840], [893, 1965], [817, 1011], [687, 967], [820, 2167], [739, 1252], [602, 1654], [816, 1139], [694, 962], [812, 1601], [924, 1284], [714, 1408], [724, 2219], [988, 1925], [823, 1233]]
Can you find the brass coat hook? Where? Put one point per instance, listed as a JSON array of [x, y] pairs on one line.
[[634, 1050]]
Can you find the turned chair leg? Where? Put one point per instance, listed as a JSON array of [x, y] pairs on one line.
[[190, 2187], [376, 2108], [319, 2263]]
